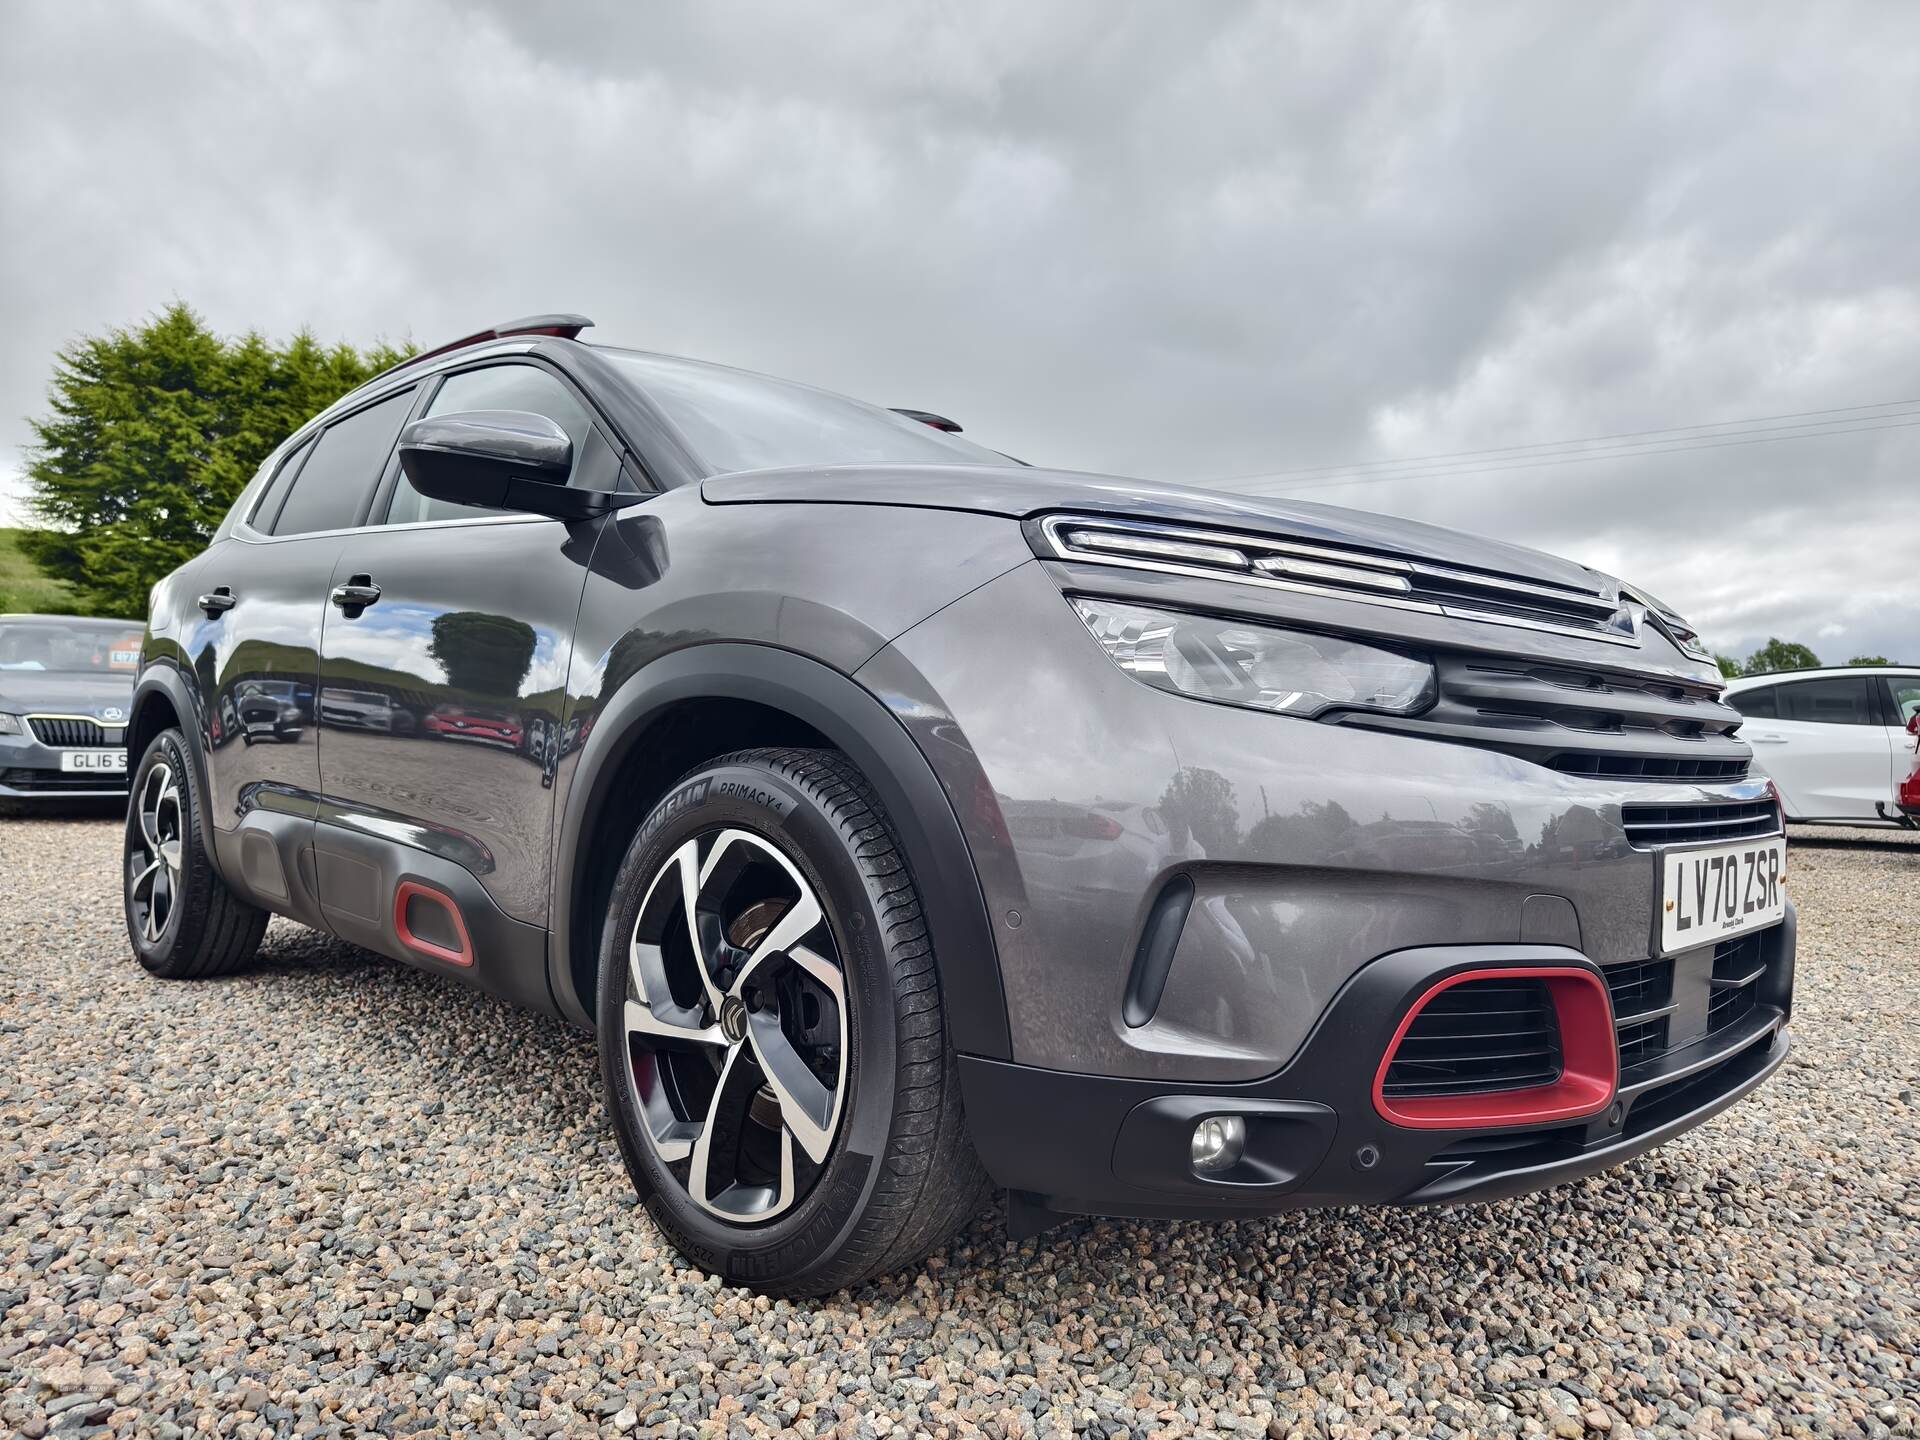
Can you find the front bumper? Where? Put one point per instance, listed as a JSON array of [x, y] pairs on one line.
[[30, 770], [1202, 905], [1107, 1145]]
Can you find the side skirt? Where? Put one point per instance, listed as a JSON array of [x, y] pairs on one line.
[[391, 898]]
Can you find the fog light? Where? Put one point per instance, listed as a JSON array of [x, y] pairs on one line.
[[1218, 1142]]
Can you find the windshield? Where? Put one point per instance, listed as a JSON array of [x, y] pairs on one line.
[[736, 420], [88, 647]]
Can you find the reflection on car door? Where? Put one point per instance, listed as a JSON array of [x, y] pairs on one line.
[[1825, 747], [256, 653], [438, 695]]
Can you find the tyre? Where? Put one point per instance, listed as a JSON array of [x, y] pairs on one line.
[[772, 1042], [182, 919]]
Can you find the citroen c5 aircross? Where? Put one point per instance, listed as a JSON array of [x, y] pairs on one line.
[[907, 821]]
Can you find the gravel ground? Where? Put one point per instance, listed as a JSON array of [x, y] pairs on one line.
[[337, 1196]]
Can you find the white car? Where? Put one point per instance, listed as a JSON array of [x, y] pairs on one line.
[[1834, 741]]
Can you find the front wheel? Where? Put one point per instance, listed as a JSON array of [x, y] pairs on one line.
[[772, 1041]]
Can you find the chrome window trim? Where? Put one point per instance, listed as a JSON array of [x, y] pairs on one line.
[[247, 535], [1052, 526]]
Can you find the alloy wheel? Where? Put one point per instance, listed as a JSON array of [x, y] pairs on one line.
[[153, 854], [736, 1025]]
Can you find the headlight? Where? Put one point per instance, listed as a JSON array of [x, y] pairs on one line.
[[1236, 663], [9, 724]]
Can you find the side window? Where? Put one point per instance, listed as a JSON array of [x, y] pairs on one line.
[[346, 462], [1840, 700], [1757, 704], [493, 387], [1906, 696], [267, 509]]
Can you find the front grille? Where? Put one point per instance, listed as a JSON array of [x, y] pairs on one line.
[[1642, 1042], [1580, 721], [1738, 966], [1478, 1036], [1650, 767], [1639, 986], [1651, 825], [67, 732], [1410, 584]]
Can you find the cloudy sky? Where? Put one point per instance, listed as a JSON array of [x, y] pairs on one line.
[[1253, 244]]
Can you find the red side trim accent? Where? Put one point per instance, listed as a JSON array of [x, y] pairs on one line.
[[1589, 1057], [413, 889]]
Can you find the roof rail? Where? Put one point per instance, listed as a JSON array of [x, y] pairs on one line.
[[565, 326], [927, 417]]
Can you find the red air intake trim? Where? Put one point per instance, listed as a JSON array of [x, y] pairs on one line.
[[1589, 1059], [413, 890]]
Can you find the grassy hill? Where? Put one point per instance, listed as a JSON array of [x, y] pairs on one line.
[[22, 587]]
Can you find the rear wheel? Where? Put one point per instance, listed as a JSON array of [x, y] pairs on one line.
[[773, 1045], [182, 919]]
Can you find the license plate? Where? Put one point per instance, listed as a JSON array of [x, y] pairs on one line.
[[1707, 895], [113, 762]]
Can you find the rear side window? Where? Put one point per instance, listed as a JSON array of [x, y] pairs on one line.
[[1841, 700], [1757, 704], [494, 387], [275, 494], [347, 461], [1906, 697]]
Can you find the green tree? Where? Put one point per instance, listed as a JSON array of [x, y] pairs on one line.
[[1778, 654], [1729, 667], [153, 432], [483, 655], [1869, 660], [1200, 803]]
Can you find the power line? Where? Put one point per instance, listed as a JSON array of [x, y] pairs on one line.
[[1703, 444], [1358, 466]]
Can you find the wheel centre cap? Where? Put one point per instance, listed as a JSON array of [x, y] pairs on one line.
[[733, 1020]]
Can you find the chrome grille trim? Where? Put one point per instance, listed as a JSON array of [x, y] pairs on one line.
[[74, 732], [1649, 826], [1579, 721], [1308, 569]]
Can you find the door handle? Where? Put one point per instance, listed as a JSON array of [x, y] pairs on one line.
[[220, 598], [1768, 739], [354, 596]]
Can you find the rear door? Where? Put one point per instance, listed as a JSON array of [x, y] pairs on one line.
[[1824, 744], [437, 695], [255, 651]]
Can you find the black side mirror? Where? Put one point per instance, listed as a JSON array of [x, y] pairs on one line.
[[500, 459]]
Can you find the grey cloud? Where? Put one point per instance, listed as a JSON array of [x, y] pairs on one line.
[[1165, 240]]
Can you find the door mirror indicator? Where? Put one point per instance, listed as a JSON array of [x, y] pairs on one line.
[[501, 460]]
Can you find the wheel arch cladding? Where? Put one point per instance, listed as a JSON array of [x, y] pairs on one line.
[[701, 702], [162, 699]]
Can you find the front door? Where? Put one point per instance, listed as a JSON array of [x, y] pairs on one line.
[[444, 661]]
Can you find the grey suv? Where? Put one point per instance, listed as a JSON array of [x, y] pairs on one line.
[[906, 820]]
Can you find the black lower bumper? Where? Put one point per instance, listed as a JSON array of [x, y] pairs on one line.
[[1087, 1144]]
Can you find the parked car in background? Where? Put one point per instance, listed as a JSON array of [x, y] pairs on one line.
[[463, 722], [1907, 799], [922, 819], [1834, 741], [66, 692], [346, 709], [269, 710]]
